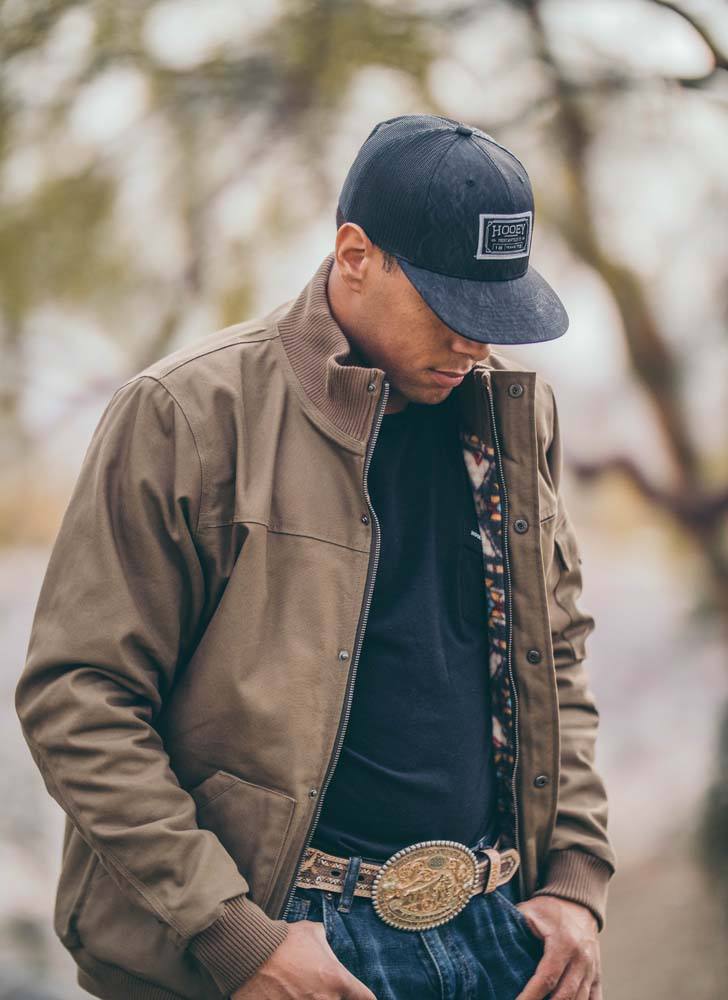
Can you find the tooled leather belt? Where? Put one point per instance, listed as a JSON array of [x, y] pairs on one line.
[[421, 886]]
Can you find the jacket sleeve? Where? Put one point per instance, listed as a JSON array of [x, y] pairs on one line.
[[581, 859], [119, 609]]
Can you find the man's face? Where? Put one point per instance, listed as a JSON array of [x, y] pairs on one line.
[[407, 340]]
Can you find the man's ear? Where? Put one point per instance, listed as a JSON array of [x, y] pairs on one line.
[[355, 254]]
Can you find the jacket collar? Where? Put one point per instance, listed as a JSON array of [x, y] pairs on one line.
[[335, 376], [332, 373]]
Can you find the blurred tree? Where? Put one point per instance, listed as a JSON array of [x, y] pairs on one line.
[[690, 501], [270, 93]]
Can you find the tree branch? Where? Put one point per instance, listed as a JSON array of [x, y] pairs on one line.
[[701, 509]]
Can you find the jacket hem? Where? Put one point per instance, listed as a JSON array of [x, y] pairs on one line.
[[117, 984], [581, 877]]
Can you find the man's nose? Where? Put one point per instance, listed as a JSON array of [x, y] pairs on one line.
[[472, 348]]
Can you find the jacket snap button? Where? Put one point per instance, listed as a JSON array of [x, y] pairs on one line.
[[540, 780], [520, 525], [371, 387], [343, 654], [516, 389], [312, 793], [533, 656], [365, 519]]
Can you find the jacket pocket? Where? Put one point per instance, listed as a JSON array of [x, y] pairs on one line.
[[563, 584], [547, 497], [549, 555], [571, 623], [568, 551], [252, 824]]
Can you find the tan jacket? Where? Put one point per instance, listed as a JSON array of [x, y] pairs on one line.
[[193, 654]]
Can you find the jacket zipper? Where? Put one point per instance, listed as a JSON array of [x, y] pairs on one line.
[[358, 642], [509, 615]]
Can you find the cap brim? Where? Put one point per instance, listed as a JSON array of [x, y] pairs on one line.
[[524, 310]]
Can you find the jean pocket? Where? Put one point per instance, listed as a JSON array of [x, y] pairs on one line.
[[516, 915]]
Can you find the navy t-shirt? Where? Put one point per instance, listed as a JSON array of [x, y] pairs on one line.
[[416, 762]]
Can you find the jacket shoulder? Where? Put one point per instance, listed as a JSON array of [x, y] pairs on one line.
[[202, 352], [544, 401]]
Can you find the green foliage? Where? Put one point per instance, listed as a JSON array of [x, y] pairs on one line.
[[235, 304], [57, 246], [60, 242], [26, 24], [320, 46]]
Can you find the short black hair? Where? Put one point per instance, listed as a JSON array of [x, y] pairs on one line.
[[389, 261]]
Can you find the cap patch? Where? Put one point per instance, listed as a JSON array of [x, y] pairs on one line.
[[504, 236]]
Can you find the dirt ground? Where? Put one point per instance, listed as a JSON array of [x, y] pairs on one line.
[[665, 938]]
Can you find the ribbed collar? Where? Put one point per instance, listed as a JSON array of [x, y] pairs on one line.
[[335, 376], [331, 371]]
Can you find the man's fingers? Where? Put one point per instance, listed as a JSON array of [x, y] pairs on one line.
[[569, 966], [596, 990], [586, 986], [546, 977], [575, 982], [569, 987], [356, 990], [353, 988], [585, 989]]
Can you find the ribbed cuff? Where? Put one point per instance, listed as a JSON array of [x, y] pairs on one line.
[[235, 945], [581, 877]]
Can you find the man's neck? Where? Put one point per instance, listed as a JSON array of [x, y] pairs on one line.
[[396, 402]]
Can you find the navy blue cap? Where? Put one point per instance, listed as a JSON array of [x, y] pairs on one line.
[[455, 208]]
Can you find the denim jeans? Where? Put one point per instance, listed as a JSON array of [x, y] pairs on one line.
[[486, 952]]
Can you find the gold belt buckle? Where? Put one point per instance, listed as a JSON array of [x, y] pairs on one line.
[[425, 884]]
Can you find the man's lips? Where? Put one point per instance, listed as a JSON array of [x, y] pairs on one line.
[[448, 378]]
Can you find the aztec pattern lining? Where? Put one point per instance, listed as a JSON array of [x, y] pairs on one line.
[[483, 472]]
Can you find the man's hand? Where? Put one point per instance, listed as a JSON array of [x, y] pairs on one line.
[[570, 968], [303, 965]]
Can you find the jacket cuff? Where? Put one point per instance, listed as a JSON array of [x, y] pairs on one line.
[[581, 877], [235, 945]]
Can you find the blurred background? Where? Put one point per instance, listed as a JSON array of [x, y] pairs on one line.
[[170, 168]]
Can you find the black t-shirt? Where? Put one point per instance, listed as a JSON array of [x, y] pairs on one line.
[[416, 762]]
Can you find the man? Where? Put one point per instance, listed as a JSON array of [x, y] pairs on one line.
[[306, 671]]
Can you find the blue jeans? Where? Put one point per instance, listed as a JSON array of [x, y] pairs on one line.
[[486, 952]]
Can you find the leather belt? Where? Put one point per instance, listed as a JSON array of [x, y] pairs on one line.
[[421, 886]]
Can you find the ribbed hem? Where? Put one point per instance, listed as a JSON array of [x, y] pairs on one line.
[[117, 983], [235, 945], [581, 877], [331, 370]]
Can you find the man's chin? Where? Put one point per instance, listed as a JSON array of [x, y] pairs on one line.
[[434, 393], [428, 395]]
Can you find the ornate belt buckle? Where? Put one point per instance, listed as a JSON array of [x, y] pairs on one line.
[[424, 885]]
